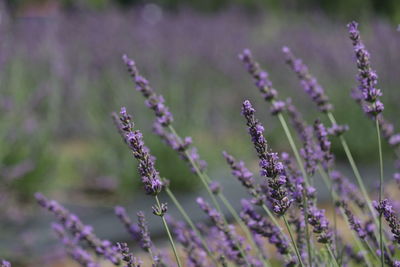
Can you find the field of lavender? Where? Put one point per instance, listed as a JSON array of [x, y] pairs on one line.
[[320, 183]]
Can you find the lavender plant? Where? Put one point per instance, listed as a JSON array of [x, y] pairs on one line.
[[284, 196]]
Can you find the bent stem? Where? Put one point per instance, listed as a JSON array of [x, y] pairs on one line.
[[380, 191], [178, 261], [293, 241]]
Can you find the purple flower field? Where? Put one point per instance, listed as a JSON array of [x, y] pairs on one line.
[[147, 137]]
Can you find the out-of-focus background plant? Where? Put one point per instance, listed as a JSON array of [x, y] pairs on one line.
[[61, 76]]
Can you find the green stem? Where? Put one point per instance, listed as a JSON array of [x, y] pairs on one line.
[[380, 192], [332, 255], [328, 183], [178, 261], [305, 176], [151, 256], [241, 224], [189, 221], [293, 241]]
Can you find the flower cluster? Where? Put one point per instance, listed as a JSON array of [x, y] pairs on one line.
[[153, 101], [72, 223], [325, 145], [134, 138], [367, 77], [317, 219], [385, 208], [270, 165], [309, 83]]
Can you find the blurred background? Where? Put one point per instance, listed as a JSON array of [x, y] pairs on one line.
[[61, 75]]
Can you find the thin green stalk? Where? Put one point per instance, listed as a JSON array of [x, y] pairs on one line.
[[332, 255], [178, 261], [240, 222], [304, 173], [189, 221], [354, 168], [205, 179], [380, 192], [328, 183], [293, 241], [151, 256]]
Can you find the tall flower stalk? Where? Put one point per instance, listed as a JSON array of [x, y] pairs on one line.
[[183, 146], [368, 80], [270, 94], [149, 175]]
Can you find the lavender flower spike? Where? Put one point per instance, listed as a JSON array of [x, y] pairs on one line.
[[4, 263], [271, 167], [149, 175], [145, 241], [325, 145], [132, 228], [260, 77], [82, 232], [127, 256], [153, 101], [367, 77], [354, 222], [316, 218], [385, 208], [309, 83], [233, 241]]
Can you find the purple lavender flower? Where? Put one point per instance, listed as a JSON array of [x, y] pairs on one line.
[[73, 249], [153, 101], [367, 78], [346, 190], [324, 144], [354, 222], [127, 257], [271, 167], [277, 107], [243, 174], [4, 263], [233, 242], [263, 227], [317, 219], [132, 228], [196, 255], [79, 230], [337, 130], [181, 146], [260, 77], [385, 208], [145, 241], [149, 175], [309, 149], [309, 83]]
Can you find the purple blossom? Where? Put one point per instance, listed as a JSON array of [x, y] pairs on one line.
[[271, 167], [145, 241], [277, 107], [263, 227], [308, 82], [346, 190], [260, 77], [337, 130], [385, 208], [4, 263], [367, 78], [317, 219], [132, 228], [324, 144], [215, 187], [233, 242], [184, 147], [149, 175], [309, 149], [127, 257], [73, 249], [153, 101], [243, 174], [72, 223], [354, 222], [196, 255]]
